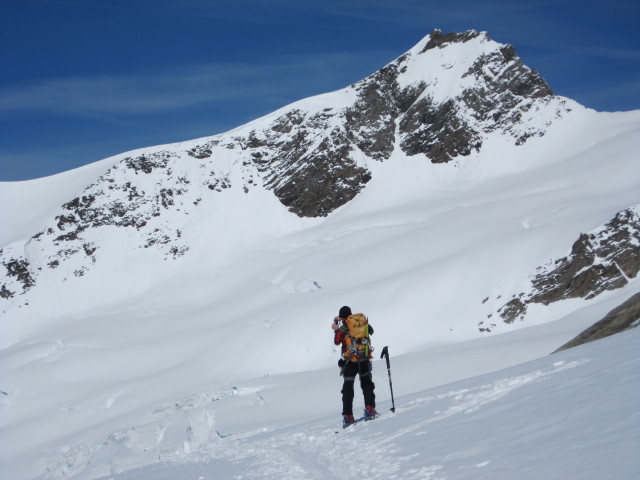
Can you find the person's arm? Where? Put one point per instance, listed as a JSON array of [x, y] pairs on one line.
[[339, 331], [338, 336]]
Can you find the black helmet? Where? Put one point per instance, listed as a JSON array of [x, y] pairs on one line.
[[344, 312]]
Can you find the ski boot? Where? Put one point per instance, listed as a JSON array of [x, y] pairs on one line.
[[347, 421], [369, 413]]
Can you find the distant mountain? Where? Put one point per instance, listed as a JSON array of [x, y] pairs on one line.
[[441, 100]]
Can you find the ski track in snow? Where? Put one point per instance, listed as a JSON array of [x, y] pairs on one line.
[[315, 451]]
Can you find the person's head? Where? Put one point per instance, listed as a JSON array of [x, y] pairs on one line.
[[344, 312]]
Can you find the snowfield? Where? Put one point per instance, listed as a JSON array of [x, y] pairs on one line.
[[569, 415]]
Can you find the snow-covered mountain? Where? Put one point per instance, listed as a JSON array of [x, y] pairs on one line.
[[451, 196]]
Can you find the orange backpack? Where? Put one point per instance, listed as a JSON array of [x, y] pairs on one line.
[[358, 346]]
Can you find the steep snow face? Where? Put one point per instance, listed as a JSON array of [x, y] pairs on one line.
[[424, 195], [315, 155]]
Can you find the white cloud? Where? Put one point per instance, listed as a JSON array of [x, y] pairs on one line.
[[175, 88]]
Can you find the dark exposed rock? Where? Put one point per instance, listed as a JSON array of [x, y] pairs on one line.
[[302, 155], [313, 189], [406, 97], [218, 183], [6, 293], [66, 237], [602, 260], [65, 220], [166, 197], [438, 131], [617, 320], [289, 121], [371, 120], [203, 151], [437, 39], [178, 251], [315, 192], [79, 202], [513, 309], [19, 270], [503, 92], [503, 72], [301, 176], [146, 164], [89, 249]]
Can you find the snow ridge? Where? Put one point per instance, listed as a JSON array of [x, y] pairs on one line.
[[314, 155]]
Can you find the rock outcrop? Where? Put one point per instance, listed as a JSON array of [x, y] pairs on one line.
[[314, 155], [617, 320], [605, 259]]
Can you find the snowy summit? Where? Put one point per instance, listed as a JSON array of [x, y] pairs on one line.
[[166, 313]]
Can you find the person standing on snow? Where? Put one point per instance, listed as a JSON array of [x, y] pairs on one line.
[[352, 332]]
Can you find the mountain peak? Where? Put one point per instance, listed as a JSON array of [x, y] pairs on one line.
[[437, 39], [439, 101]]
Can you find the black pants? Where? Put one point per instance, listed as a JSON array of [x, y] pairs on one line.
[[363, 369]]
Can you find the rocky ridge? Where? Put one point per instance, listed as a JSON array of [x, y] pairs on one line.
[[618, 320], [312, 155], [310, 158], [607, 258]]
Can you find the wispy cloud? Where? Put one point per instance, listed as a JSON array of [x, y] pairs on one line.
[[610, 53], [175, 88], [411, 12], [73, 120], [608, 97]]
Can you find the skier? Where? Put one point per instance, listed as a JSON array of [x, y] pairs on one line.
[[352, 332]]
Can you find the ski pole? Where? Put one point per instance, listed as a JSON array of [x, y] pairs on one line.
[[385, 354]]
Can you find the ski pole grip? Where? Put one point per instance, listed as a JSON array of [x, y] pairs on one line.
[[385, 352]]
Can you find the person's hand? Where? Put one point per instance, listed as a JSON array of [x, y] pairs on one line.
[[334, 326]]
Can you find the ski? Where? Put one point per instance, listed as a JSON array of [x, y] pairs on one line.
[[365, 418]]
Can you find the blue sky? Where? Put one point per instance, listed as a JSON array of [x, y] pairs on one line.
[[81, 80]]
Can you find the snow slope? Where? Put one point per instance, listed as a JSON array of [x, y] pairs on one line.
[[26, 206], [567, 416], [157, 339]]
